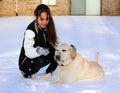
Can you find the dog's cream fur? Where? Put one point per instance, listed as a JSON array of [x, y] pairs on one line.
[[73, 67]]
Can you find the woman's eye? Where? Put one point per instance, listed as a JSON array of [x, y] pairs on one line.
[[41, 19], [63, 50]]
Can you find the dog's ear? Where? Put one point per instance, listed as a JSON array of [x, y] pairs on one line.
[[73, 47], [73, 51]]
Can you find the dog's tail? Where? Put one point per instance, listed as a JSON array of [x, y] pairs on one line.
[[96, 57]]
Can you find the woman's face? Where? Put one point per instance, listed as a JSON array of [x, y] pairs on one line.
[[43, 20]]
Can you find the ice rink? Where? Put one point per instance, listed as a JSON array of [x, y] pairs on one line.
[[89, 34]]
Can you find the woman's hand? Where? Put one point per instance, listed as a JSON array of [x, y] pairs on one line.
[[42, 51], [42, 76]]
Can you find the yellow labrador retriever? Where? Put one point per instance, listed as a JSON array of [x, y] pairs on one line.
[[73, 67]]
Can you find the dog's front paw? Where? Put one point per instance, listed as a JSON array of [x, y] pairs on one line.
[[55, 81]]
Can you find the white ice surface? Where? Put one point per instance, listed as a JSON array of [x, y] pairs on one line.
[[88, 34]]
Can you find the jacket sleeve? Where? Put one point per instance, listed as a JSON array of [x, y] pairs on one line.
[[30, 51]]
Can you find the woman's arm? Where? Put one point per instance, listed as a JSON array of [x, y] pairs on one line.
[[30, 51]]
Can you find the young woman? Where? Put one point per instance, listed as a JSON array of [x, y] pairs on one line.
[[39, 44]]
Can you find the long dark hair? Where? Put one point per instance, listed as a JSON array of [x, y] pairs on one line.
[[51, 31]]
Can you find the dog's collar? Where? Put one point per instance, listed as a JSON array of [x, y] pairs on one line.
[[61, 65], [66, 65]]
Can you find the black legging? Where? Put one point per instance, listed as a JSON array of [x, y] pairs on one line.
[[32, 66]]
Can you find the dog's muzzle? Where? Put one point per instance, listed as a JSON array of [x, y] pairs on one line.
[[57, 57]]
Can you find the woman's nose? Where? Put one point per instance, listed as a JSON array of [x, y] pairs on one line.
[[45, 22]]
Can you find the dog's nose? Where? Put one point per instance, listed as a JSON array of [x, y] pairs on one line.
[[57, 57]]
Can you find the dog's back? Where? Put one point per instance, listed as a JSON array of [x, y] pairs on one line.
[[92, 69]]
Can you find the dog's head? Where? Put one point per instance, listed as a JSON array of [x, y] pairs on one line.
[[64, 54]]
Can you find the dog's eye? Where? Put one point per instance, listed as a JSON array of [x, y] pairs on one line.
[[63, 50]]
